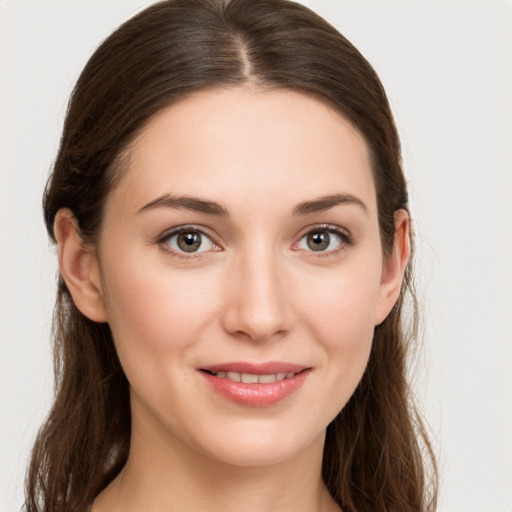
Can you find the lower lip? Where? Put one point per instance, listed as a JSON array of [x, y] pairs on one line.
[[256, 395]]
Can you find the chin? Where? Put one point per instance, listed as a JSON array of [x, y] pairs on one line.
[[262, 446]]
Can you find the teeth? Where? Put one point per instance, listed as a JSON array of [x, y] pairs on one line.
[[250, 378], [267, 379]]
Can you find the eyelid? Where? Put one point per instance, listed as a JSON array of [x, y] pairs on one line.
[[166, 235], [344, 234]]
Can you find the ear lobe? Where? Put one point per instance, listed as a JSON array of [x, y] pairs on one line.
[[394, 268], [79, 267]]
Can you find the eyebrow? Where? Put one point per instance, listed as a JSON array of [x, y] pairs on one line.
[[326, 202], [212, 208], [187, 203]]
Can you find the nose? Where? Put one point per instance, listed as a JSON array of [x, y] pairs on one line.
[[258, 303]]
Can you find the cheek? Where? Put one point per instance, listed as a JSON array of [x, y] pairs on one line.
[[347, 333], [342, 304], [340, 312], [156, 311]]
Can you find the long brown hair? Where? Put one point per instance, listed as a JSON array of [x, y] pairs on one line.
[[377, 454]]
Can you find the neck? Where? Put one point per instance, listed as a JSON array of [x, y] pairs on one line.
[[167, 476]]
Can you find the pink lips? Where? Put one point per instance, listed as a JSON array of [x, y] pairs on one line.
[[237, 381]]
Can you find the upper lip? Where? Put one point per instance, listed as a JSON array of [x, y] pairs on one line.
[[268, 368]]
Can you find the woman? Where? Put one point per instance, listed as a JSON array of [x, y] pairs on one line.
[[233, 236]]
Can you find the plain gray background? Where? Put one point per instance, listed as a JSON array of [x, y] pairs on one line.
[[447, 68]]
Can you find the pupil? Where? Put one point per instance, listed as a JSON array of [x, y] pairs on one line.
[[189, 242], [318, 241]]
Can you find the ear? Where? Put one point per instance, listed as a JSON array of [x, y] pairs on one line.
[[79, 267], [393, 268]]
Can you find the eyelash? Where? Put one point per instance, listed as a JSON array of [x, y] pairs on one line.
[[163, 241], [345, 239], [344, 236]]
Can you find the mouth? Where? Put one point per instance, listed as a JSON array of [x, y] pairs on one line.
[[253, 378], [255, 385]]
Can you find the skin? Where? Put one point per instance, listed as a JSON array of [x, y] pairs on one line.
[[256, 293]]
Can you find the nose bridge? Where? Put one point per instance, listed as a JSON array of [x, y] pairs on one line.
[[258, 305]]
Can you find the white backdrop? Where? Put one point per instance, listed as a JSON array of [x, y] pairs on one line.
[[447, 67]]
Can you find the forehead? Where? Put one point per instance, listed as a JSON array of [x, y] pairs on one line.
[[244, 142]]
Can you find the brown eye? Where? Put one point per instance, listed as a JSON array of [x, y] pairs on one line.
[[189, 241], [318, 241], [322, 240]]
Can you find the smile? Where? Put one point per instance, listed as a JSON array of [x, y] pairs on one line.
[[255, 385], [252, 378]]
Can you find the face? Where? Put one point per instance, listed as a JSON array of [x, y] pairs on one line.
[[242, 274]]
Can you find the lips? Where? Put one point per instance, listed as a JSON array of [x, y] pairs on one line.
[[255, 384], [254, 378]]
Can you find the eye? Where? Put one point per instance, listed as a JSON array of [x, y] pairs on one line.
[[189, 240], [323, 240]]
